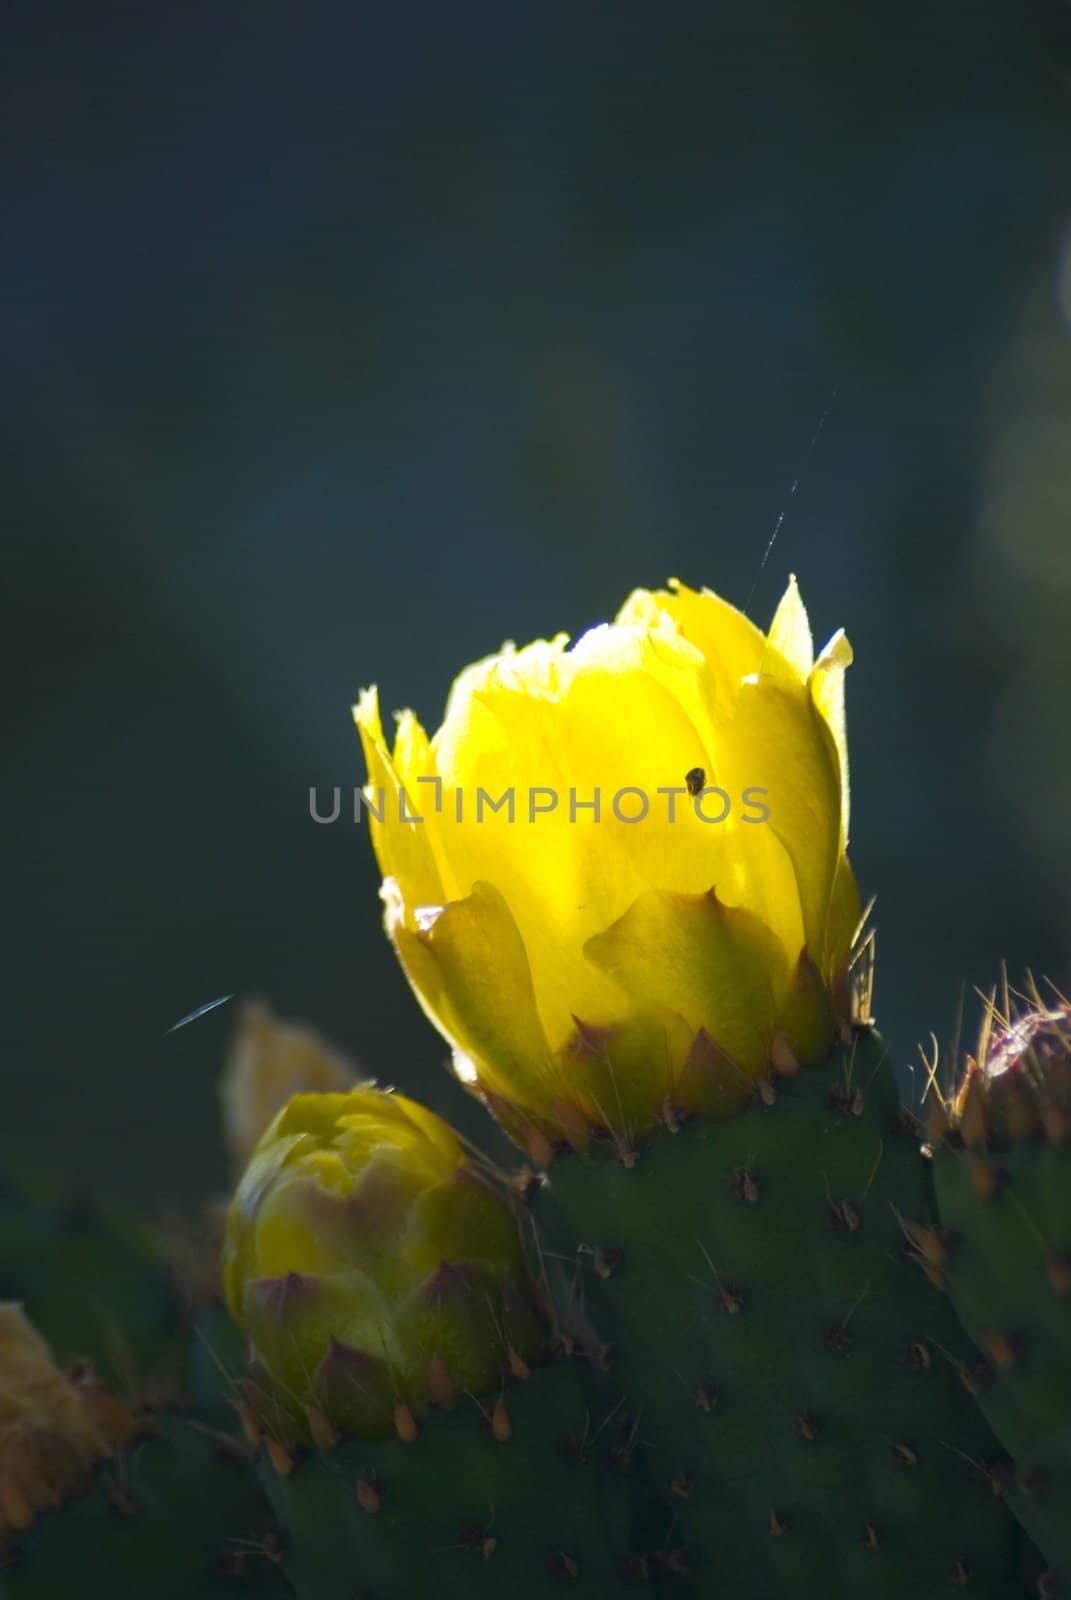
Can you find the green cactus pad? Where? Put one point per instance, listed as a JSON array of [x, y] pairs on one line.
[[1008, 1271], [173, 1518], [796, 1378], [461, 1512], [92, 1292]]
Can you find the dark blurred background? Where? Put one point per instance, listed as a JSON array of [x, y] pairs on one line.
[[342, 342]]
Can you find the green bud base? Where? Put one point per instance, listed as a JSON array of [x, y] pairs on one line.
[[460, 1512], [172, 1518], [1007, 1222], [797, 1380]]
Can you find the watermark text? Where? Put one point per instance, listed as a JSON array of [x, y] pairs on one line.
[[534, 803]]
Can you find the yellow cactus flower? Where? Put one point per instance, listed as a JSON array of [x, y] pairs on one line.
[[369, 1262], [627, 889]]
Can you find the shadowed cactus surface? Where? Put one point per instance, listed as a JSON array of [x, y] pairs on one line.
[[501, 1495], [134, 1481], [747, 1284], [173, 1515]]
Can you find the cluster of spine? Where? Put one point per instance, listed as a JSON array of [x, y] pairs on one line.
[[1001, 1248]]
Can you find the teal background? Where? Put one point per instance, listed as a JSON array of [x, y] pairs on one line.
[[342, 343]]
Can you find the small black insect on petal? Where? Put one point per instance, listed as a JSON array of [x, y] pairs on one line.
[[695, 780]]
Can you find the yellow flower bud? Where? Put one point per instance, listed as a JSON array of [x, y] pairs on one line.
[[270, 1060], [667, 903], [367, 1259]]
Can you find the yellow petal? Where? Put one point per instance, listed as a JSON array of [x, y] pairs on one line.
[[784, 746], [439, 1136], [827, 689], [790, 631], [404, 850], [470, 973], [729, 642], [720, 969]]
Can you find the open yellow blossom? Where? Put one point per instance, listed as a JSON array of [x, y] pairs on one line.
[[628, 886]]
